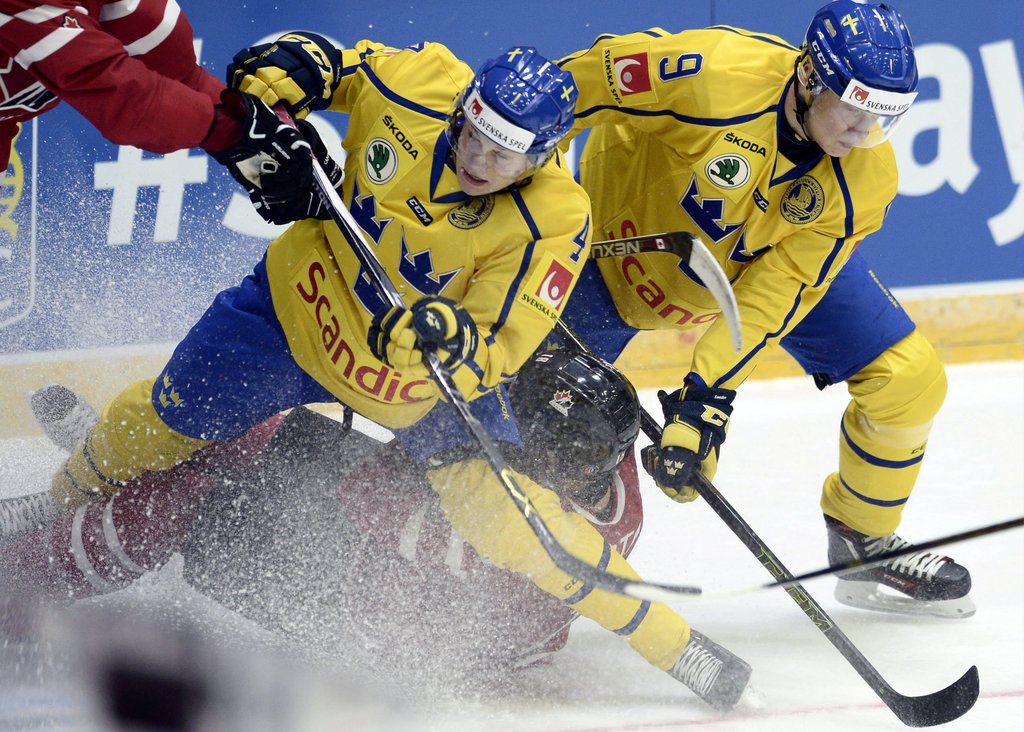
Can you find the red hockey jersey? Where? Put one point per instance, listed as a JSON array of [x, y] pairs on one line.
[[443, 588]]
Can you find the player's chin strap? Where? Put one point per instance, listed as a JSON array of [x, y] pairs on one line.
[[566, 562], [914, 711], [801, 79]]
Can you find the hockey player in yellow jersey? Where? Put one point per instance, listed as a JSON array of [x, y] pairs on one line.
[[776, 156], [457, 184]]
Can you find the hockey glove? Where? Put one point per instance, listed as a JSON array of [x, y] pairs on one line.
[[301, 69], [278, 198], [268, 145], [399, 337], [696, 420]]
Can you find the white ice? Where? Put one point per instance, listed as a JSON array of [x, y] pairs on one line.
[[782, 443]]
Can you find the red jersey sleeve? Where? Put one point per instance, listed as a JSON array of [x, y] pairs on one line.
[[129, 68], [391, 502]]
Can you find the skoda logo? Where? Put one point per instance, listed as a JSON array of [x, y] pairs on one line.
[[728, 171], [381, 160]]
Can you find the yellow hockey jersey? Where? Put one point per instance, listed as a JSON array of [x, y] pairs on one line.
[[685, 136], [511, 259]]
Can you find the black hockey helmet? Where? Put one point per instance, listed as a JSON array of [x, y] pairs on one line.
[[577, 409]]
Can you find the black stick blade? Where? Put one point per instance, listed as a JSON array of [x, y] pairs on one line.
[[933, 709]]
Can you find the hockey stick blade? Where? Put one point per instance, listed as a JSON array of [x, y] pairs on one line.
[[879, 559], [566, 562], [934, 709], [692, 251]]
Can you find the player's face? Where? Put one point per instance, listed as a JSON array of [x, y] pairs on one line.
[[483, 166], [836, 126]]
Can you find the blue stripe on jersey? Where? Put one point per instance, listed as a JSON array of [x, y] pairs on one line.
[[524, 210], [638, 618], [797, 172], [764, 342], [517, 197], [387, 92], [606, 557], [442, 156], [873, 501], [99, 473], [840, 243], [479, 373], [513, 288], [755, 36], [800, 153], [605, 36], [708, 122], [874, 459], [847, 224]]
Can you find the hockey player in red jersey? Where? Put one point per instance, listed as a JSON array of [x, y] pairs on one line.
[[128, 68], [298, 516], [411, 591]]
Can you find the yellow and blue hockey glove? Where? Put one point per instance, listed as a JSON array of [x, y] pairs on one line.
[[300, 69], [696, 421], [399, 337]]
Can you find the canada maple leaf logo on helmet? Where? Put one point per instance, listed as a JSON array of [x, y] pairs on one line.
[[562, 401]]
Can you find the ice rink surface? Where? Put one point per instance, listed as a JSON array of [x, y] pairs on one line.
[[782, 442]]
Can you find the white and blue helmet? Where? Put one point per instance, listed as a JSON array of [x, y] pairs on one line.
[[521, 101], [863, 53]]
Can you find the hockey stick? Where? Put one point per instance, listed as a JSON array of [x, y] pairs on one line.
[[884, 557], [695, 255], [565, 561], [914, 711]]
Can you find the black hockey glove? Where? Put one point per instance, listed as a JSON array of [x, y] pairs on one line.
[[280, 200], [268, 144], [300, 69], [696, 421]]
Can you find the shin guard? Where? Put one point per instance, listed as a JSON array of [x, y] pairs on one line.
[[129, 440], [883, 436]]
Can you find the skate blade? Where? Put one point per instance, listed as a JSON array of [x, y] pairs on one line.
[[871, 596]]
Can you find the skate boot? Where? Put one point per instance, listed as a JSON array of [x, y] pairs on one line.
[[712, 672], [928, 584], [22, 515], [64, 416]]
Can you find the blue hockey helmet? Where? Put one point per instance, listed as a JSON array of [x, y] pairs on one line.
[[520, 101], [863, 53]]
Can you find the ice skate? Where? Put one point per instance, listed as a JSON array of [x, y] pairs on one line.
[[712, 672], [926, 583], [22, 515], [64, 416]]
